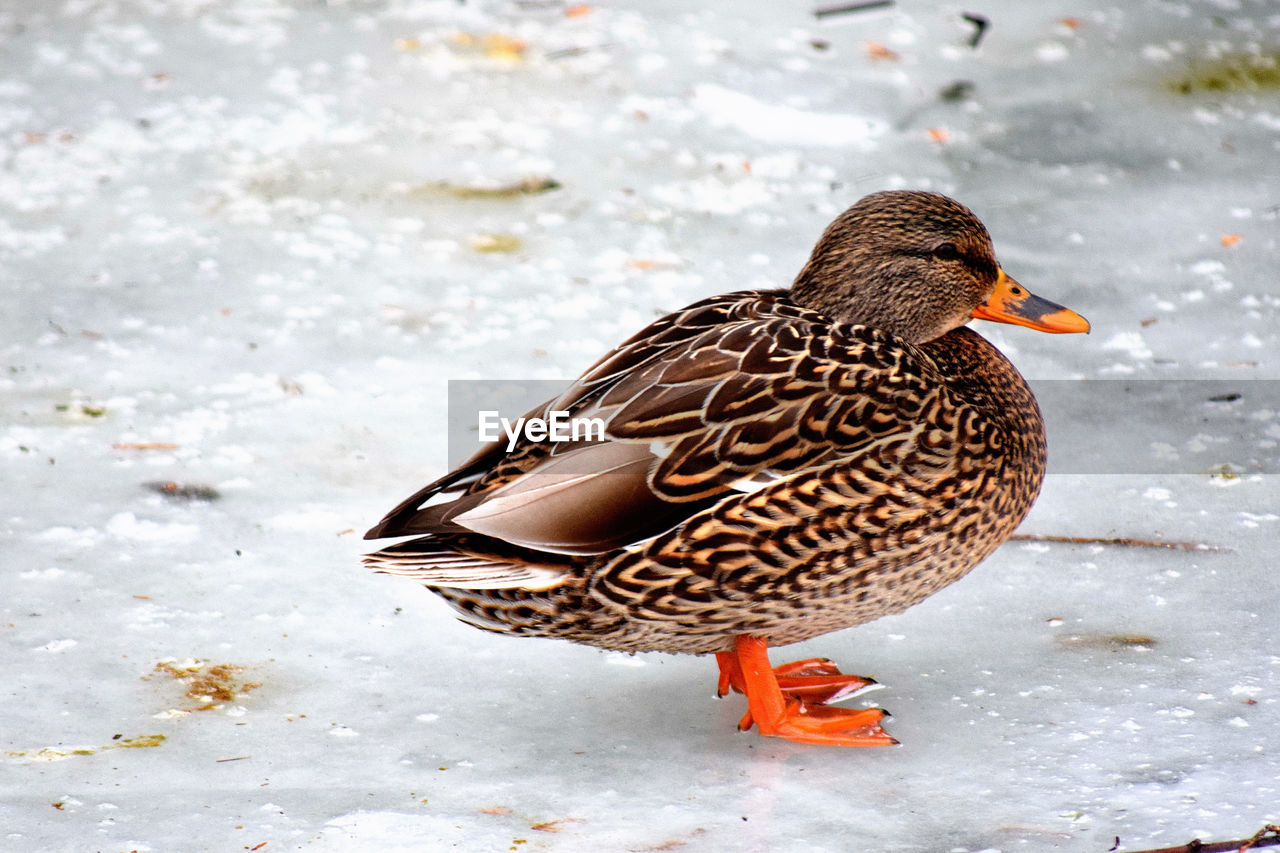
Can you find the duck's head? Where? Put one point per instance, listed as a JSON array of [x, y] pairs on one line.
[[918, 264]]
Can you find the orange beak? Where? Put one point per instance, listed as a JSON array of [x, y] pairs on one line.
[[1013, 303]]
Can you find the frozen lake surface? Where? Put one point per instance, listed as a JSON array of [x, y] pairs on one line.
[[244, 245]]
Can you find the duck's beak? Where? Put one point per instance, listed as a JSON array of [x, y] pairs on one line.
[[1013, 303]]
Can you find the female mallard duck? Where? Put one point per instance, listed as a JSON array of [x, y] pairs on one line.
[[776, 464]]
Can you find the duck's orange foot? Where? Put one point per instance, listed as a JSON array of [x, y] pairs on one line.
[[813, 680], [822, 724], [790, 701]]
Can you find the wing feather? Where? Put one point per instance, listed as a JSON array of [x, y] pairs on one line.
[[463, 563]]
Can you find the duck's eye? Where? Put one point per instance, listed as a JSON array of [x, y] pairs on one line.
[[946, 252]]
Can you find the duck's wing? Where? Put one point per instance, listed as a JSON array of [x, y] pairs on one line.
[[494, 466], [722, 397]]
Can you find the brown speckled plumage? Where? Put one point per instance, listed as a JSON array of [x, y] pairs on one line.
[[777, 464]]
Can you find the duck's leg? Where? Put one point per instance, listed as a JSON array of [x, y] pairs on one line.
[[778, 715], [816, 680]]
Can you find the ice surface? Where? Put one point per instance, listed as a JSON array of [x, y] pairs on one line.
[[242, 245]]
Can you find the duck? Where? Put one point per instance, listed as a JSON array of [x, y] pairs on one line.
[[774, 465]]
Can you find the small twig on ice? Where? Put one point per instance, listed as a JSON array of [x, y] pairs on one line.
[[845, 8], [1123, 542], [1268, 836], [980, 22]]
